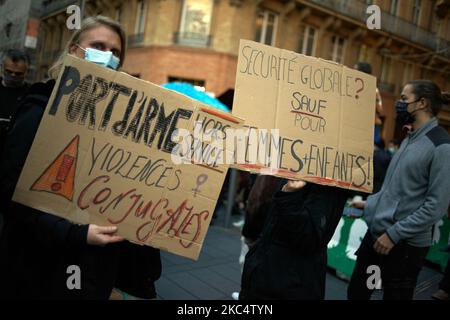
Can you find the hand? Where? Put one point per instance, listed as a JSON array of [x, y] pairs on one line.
[[293, 185], [358, 204], [378, 120], [249, 242], [383, 245], [100, 236]]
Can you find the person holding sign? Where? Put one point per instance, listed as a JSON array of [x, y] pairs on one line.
[[47, 257], [289, 259], [413, 197]]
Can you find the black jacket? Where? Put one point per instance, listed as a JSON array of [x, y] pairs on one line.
[[258, 205], [37, 248], [289, 260]]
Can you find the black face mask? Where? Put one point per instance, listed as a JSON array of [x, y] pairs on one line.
[[13, 81], [403, 116]]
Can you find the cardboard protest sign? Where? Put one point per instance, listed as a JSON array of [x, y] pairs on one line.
[[104, 151], [324, 113]]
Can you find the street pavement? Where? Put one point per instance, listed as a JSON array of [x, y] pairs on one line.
[[217, 273]]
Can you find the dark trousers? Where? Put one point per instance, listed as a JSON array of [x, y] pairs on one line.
[[445, 282], [399, 270]]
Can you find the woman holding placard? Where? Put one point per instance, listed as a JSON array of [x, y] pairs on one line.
[[47, 257]]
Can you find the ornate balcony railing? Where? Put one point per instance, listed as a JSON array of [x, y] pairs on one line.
[[356, 9]]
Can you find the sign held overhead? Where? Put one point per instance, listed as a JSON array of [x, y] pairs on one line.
[[306, 118]]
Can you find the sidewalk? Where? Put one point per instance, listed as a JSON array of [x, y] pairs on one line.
[[217, 273], [214, 276]]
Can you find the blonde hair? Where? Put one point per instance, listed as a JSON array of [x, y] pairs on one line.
[[88, 24]]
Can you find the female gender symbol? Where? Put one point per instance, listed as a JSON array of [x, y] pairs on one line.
[[201, 179]]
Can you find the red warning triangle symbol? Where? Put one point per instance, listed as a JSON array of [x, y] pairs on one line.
[[59, 177]]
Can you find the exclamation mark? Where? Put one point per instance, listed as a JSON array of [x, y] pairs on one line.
[[63, 172]]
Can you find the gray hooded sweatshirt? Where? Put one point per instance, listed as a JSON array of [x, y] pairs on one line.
[[416, 191]]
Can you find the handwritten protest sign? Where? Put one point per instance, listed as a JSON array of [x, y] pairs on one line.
[[324, 113], [103, 155]]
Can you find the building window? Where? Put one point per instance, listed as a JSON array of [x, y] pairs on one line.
[[385, 69], [416, 11], [436, 26], [393, 9], [140, 17], [408, 72], [194, 82], [195, 22], [337, 54], [363, 54], [431, 15], [61, 37], [119, 14], [266, 27], [8, 28], [308, 41]]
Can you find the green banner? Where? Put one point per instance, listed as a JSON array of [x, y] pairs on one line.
[[350, 232]]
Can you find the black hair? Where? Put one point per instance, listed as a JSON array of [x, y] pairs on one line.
[[395, 142], [429, 90], [364, 67], [16, 55], [380, 144]]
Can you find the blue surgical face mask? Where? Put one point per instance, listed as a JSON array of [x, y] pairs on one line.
[[103, 58], [391, 150]]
